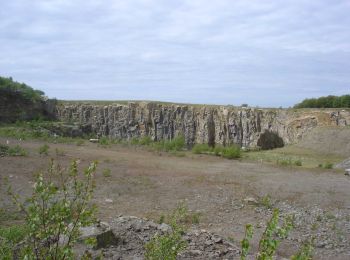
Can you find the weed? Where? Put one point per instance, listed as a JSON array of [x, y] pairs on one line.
[[12, 151], [305, 252], [106, 172], [245, 243], [44, 149], [265, 201], [9, 237], [270, 239], [146, 140], [328, 166], [298, 162], [79, 142], [60, 152], [104, 141], [161, 219], [201, 148], [231, 152], [51, 209], [169, 245]]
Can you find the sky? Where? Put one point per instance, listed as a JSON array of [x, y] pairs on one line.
[[266, 53]]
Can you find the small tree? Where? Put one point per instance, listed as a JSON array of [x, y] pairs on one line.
[[59, 206]]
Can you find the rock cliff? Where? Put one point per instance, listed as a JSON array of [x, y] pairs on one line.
[[248, 127]]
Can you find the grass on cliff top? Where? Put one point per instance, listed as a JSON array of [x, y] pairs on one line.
[[294, 156]]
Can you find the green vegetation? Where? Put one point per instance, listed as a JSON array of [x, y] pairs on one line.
[[8, 85], [288, 161], [9, 238], [326, 102], [17, 150], [106, 172], [271, 238], [35, 130], [44, 149], [170, 244], [293, 156], [60, 152], [60, 199], [229, 152]]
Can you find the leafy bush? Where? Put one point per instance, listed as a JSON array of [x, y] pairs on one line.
[[201, 148], [328, 166], [44, 149], [104, 140], [58, 207], [231, 152], [9, 237], [169, 245], [146, 140], [106, 172], [9, 85], [12, 151], [271, 237], [298, 163]]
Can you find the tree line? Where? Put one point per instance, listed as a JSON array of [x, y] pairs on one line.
[[326, 102], [8, 85]]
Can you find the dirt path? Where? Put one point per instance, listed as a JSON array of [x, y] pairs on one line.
[[148, 184]]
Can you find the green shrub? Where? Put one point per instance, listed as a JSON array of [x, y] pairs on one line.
[[106, 172], [60, 152], [146, 140], [328, 166], [17, 151], [104, 140], [271, 237], [44, 149], [79, 142], [60, 199], [218, 150], [168, 245], [231, 152], [134, 141], [201, 148], [298, 163], [9, 237], [176, 144]]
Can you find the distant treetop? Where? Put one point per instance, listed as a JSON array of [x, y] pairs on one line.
[[27, 92], [326, 102]]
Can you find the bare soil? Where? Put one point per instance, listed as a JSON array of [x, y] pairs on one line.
[[148, 184]]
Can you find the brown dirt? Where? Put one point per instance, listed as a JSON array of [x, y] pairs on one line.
[[147, 184]]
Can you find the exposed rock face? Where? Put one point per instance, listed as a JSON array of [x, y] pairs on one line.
[[198, 124]]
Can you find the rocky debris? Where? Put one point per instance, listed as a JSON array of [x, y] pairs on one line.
[[343, 165], [200, 124], [126, 236], [330, 230]]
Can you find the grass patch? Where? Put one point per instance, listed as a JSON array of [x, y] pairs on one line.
[[106, 172], [17, 150], [293, 156], [44, 149], [229, 152]]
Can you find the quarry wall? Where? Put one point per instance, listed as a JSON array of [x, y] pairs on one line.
[[247, 127]]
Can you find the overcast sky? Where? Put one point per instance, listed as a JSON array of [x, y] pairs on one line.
[[260, 52]]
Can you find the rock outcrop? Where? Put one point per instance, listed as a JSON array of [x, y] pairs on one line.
[[199, 123]]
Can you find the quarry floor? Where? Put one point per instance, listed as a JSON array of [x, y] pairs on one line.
[[226, 193]]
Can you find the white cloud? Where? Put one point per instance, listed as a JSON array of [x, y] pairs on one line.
[[194, 50]]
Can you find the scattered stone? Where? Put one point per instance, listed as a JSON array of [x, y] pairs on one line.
[[250, 200], [109, 200]]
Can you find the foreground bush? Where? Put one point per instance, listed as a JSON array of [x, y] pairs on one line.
[[274, 233], [168, 246], [58, 207]]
